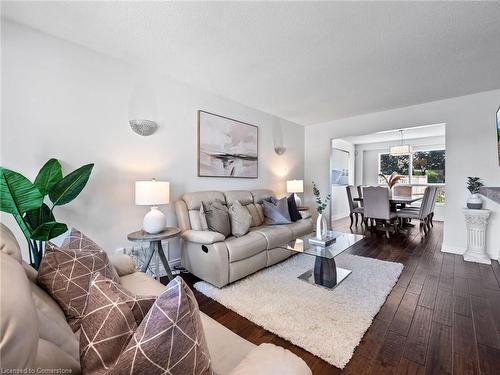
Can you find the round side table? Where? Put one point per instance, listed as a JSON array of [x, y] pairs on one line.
[[155, 245]]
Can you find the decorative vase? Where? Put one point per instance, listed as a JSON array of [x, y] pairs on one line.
[[475, 202], [321, 227]]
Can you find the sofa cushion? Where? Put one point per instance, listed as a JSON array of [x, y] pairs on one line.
[[18, 317], [217, 217], [8, 243], [193, 200], [257, 214], [170, 339], [243, 196], [65, 274], [292, 208], [240, 219], [260, 195], [106, 327], [276, 211], [141, 284], [246, 246], [204, 237], [275, 235], [271, 359], [301, 228]]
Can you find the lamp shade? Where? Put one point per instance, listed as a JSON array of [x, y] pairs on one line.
[[401, 150], [152, 193], [295, 186]]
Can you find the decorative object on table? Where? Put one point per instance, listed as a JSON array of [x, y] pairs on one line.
[[326, 241], [392, 180], [321, 223], [279, 144], [340, 166], [402, 149], [153, 193], [226, 147], [142, 110], [155, 246], [474, 185], [25, 201], [498, 132], [276, 211], [477, 222], [295, 187]]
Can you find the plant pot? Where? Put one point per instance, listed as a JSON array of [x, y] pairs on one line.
[[321, 227], [475, 202]]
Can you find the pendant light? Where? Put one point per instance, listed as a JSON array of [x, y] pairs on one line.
[[402, 149]]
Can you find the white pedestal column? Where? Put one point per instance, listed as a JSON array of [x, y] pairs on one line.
[[476, 222]]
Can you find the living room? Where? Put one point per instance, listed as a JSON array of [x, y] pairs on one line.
[[135, 91]]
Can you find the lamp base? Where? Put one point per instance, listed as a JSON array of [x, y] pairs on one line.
[[154, 221]]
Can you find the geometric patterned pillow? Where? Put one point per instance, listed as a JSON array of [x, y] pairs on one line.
[[65, 274], [111, 317], [170, 339]]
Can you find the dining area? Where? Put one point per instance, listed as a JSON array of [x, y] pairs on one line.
[[392, 210]]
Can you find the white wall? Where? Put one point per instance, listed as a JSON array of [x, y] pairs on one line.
[[471, 150], [340, 205], [65, 101]]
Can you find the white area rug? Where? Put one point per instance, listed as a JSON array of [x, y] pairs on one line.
[[327, 323]]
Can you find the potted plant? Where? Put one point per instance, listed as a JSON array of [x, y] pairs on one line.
[[321, 223], [474, 184], [392, 180], [25, 200]]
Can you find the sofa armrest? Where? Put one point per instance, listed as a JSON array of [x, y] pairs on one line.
[[204, 237], [124, 264], [271, 359]]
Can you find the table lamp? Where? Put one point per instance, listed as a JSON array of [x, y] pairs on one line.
[[153, 193], [295, 186]]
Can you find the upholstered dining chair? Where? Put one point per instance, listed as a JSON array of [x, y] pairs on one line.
[[377, 207], [354, 209], [423, 213], [360, 194], [402, 191]]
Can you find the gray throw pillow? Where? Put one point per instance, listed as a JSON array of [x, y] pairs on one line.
[[217, 217], [276, 211], [240, 219]]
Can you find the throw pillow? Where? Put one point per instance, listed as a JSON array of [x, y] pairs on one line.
[[292, 208], [240, 219], [276, 213], [203, 219], [217, 217], [111, 318], [66, 273], [170, 339]]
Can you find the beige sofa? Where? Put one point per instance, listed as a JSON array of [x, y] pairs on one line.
[[34, 333], [220, 260]]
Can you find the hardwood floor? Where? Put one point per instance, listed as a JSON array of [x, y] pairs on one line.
[[442, 317]]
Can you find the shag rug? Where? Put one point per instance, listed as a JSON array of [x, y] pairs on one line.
[[329, 323]]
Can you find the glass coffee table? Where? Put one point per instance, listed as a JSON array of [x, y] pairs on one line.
[[325, 272]]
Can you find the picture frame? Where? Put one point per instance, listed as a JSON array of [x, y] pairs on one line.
[[340, 167], [227, 147]]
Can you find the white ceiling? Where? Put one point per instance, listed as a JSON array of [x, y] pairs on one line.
[[308, 62], [425, 131]]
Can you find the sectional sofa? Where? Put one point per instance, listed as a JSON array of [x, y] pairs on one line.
[[219, 260]]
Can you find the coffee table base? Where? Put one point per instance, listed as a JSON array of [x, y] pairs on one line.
[[325, 273]]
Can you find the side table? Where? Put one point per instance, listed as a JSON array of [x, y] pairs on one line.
[[155, 245], [476, 221]]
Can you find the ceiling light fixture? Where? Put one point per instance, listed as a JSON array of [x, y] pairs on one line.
[[402, 149]]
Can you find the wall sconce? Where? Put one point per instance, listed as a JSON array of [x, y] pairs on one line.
[[279, 144], [142, 110]]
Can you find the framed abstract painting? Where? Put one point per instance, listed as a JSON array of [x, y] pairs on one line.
[[227, 147]]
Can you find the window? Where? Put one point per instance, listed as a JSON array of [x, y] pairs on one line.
[[419, 169]]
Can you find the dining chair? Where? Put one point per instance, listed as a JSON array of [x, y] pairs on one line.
[[360, 194], [402, 191], [354, 209], [422, 214], [377, 207]]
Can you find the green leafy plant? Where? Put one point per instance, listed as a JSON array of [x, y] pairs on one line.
[[474, 184], [25, 200], [321, 204], [392, 180]]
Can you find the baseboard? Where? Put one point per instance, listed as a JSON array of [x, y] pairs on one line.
[[341, 216], [453, 249]]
